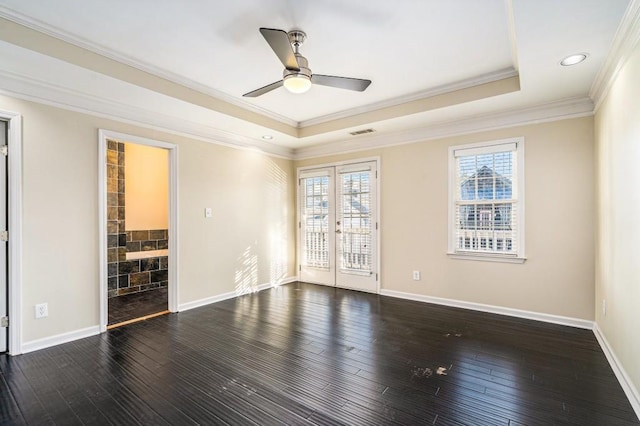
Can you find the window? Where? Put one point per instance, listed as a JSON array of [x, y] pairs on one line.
[[486, 209], [316, 211]]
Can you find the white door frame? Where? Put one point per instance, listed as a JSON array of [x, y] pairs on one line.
[[14, 251], [173, 216], [379, 211]]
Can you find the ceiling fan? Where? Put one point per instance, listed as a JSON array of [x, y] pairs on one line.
[[297, 76]]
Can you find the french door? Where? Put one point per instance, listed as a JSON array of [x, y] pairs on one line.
[[338, 239]]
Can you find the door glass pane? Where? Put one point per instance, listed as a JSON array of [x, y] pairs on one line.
[[354, 220], [316, 217]]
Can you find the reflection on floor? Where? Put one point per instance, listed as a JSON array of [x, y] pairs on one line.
[[307, 354], [136, 305]]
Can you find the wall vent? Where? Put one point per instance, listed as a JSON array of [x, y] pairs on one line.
[[361, 132]]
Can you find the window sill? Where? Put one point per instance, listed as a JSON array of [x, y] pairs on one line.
[[486, 257]]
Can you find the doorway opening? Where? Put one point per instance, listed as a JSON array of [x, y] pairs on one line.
[[138, 194], [338, 225]]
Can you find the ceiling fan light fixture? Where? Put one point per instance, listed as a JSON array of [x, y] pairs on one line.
[[297, 83]]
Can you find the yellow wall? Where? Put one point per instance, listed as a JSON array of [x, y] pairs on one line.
[[617, 132], [556, 279], [146, 187], [248, 241]]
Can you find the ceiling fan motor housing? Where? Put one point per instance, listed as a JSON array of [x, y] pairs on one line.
[[296, 37], [303, 64]]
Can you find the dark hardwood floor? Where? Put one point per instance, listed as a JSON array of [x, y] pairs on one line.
[[136, 305], [304, 354]]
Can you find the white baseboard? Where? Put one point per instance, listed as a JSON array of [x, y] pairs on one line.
[[47, 342], [625, 381], [58, 339], [230, 295], [555, 319]]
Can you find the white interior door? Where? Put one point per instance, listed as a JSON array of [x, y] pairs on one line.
[[338, 243], [3, 244]]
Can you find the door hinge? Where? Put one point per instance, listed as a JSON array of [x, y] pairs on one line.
[[376, 276], [299, 225], [4, 149], [4, 236], [376, 174], [376, 225], [4, 322], [300, 268]]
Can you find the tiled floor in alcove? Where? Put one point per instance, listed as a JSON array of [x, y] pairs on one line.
[[136, 305]]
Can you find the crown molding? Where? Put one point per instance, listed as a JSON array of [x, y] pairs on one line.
[[622, 47], [57, 33], [551, 111], [42, 92], [424, 94]]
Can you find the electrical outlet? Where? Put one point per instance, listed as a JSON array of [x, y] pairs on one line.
[[416, 275], [42, 310], [208, 212], [604, 307]]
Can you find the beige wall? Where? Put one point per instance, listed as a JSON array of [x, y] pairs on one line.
[[558, 276], [617, 132], [146, 171], [249, 240]]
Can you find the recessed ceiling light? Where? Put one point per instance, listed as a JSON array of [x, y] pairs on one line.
[[573, 59], [267, 137]]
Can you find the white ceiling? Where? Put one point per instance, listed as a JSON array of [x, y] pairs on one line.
[[410, 49]]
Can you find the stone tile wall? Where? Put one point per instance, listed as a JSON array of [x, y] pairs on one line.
[[116, 235], [156, 239], [140, 274]]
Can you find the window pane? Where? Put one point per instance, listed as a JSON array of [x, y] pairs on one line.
[[355, 228], [484, 219], [316, 236], [485, 186], [467, 178]]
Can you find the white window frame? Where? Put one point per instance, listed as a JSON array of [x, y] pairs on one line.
[[475, 149]]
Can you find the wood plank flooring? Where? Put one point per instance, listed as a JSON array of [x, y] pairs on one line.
[[311, 355]]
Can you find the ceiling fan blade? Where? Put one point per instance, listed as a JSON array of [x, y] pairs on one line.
[[263, 90], [279, 42], [356, 84]]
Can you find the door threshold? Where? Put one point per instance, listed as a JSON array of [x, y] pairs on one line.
[[143, 318]]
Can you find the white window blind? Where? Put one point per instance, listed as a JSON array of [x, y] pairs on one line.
[[354, 221], [315, 251], [485, 211]]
